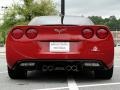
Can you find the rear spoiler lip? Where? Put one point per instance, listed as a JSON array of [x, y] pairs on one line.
[[19, 26]]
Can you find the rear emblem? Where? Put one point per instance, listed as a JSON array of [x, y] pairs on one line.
[[95, 49], [59, 30]]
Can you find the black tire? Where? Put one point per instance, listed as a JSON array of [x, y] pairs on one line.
[[104, 74], [17, 74]]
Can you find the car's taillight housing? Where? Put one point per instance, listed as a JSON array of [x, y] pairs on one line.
[[87, 33], [17, 33], [102, 33], [31, 33]]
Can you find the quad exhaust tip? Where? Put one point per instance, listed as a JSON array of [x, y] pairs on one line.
[[52, 68]]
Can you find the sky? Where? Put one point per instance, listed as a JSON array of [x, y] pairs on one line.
[[103, 8], [4, 3]]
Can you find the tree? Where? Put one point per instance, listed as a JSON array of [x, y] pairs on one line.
[[31, 9], [112, 22], [22, 14], [97, 19]]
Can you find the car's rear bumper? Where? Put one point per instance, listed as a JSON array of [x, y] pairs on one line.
[[79, 51], [105, 58], [61, 65]]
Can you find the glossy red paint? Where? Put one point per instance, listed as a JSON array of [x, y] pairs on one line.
[[80, 48]]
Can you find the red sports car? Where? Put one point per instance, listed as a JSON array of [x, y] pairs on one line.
[[47, 45]]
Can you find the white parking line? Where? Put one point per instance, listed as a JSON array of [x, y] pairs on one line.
[[95, 85], [58, 88], [81, 86], [72, 84]]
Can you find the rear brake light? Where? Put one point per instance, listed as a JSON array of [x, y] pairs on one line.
[[87, 33], [17, 33], [102, 33], [31, 33]]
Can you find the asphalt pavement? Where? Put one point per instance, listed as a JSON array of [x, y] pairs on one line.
[[59, 81]]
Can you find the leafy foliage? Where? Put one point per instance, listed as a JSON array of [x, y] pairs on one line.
[[21, 14], [112, 22]]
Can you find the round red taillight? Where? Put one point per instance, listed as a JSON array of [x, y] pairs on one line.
[[102, 33], [17, 33], [87, 33], [31, 33]]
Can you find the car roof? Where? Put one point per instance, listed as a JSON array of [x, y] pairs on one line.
[[53, 20]]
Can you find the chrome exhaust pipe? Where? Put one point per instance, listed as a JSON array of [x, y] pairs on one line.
[[68, 68], [44, 68], [74, 68], [50, 68]]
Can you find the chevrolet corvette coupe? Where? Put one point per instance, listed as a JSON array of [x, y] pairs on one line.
[[47, 45]]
